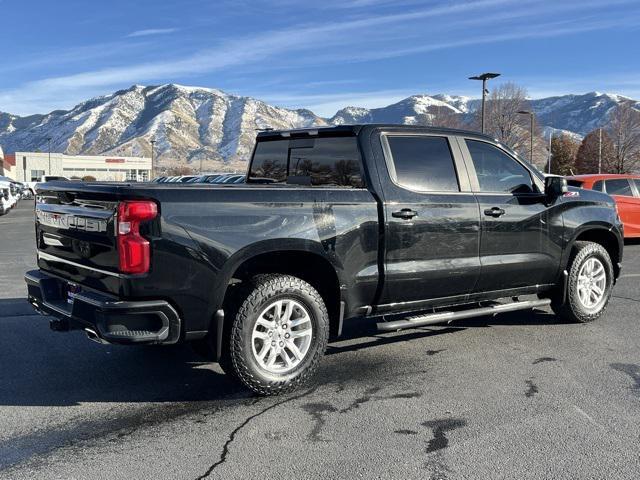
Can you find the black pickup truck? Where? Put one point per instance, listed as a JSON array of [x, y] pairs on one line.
[[430, 225]]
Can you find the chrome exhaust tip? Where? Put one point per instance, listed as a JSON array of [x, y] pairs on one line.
[[92, 335]]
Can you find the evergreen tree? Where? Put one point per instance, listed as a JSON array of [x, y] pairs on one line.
[[563, 155], [588, 157]]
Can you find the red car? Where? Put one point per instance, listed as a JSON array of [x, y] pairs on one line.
[[625, 189]]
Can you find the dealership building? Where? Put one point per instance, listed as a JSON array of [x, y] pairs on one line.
[[30, 166]]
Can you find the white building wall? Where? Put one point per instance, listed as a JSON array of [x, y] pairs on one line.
[[103, 168]]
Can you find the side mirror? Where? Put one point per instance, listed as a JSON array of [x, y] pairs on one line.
[[555, 187]]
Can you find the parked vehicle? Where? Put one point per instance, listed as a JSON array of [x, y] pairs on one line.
[[5, 204], [10, 192], [206, 178], [625, 190], [186, 178], [230, 179], [44, 179], [425, 224]]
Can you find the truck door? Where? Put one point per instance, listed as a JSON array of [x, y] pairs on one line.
[[520, 243], [431, 220]]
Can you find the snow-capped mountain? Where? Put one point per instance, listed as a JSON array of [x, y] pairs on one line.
[[191, 123], [186, 122], [577, 113]]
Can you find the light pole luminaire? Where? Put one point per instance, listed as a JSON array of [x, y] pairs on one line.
[[484, 77]]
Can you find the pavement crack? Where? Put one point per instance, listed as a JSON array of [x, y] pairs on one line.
[[232, 436], [631, 299]]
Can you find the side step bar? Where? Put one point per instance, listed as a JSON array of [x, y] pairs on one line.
[[448, 317]]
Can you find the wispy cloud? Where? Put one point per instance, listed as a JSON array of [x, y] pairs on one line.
[[371, 36], [152, 31]]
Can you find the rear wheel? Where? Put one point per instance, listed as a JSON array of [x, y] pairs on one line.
[[589, 284], [278, 335]]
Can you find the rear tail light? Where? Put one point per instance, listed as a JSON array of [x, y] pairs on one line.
[[133, 249]]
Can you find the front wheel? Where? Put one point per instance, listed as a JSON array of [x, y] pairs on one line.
[[589, 284], [279, 333]]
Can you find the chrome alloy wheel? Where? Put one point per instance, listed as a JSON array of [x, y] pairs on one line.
[[282, 336], [592, 283]]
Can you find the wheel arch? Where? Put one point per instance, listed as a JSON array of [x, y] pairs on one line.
[[304, 259], [602, 235]]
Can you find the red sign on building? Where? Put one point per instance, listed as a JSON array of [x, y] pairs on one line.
[[114, 160]]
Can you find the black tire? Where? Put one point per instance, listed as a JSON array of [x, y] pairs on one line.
[[573, 309], [239, 359]]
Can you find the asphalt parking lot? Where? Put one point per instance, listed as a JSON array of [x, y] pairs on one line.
[[513, 396]]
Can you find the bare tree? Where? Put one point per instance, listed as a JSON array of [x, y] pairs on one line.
[[179, 170], [502, 118], [624, 130], [447, 118]]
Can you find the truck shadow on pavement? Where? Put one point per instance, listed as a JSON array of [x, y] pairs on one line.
[[40, 367]]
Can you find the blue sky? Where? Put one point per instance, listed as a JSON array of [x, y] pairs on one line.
[[322, 55]]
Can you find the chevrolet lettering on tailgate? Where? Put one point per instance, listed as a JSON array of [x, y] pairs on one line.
[[71, 222]]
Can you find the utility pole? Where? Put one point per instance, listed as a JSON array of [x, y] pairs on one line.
[[532, 119], [153, 170], [600, 150], [484, 77]]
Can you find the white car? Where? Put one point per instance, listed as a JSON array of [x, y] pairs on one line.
[[7, 199], [45, 178]]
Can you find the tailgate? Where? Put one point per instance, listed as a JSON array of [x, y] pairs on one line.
[[76, 238]]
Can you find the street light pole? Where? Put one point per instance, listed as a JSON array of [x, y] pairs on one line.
[[153, 171], [49, 148], [549, 160], [484, 77], [532, 118]]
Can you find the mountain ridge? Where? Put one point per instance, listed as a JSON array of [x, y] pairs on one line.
[[192, 124]]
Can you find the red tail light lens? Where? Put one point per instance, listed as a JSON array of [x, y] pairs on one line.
[[133, 249]]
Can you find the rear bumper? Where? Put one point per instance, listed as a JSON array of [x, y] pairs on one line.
[[104, 318]]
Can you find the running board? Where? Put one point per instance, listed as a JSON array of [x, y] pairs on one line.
[[448, 317]]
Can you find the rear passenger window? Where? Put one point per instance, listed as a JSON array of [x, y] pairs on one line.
[[423, 163], [597, 186], [637, 180], [619, 186], [308, 161], [326, 161], [497, 171]]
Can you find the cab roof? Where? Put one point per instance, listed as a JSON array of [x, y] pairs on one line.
[[343, 130]]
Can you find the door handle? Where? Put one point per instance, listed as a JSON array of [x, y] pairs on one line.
[[405, 213], [494, 212]]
